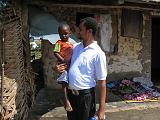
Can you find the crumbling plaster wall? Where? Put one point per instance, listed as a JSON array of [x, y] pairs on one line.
[[133, 57], [127, 59], [48, 62]]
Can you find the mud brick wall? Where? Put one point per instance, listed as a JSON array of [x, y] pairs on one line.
[[17, 62]]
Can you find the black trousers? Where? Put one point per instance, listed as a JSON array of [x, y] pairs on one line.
[[83, 105]]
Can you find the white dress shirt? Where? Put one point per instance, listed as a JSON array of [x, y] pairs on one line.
[[87, 65]]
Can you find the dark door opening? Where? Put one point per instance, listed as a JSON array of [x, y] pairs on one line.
[[155, 53], [80, 16]]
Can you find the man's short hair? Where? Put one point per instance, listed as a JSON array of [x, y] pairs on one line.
[[90, 23]]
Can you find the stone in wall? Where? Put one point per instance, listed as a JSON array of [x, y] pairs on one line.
[[49, 61]]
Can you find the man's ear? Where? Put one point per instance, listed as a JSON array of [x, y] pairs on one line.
[[90, 30], [70, 33]]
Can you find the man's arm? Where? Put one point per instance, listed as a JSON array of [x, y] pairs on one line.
[[102, 98]]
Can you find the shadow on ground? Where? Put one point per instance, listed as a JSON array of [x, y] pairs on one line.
[[46, 100]]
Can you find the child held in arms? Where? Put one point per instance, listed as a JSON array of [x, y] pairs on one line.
[[63, 52]]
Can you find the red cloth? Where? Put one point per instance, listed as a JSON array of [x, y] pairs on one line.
[[65, 49]]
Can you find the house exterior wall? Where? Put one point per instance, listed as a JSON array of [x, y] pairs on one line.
[[133, 56], [15, 71], [18, 94]]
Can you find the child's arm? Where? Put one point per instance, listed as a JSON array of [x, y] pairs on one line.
[[59, 57], [56, 50]]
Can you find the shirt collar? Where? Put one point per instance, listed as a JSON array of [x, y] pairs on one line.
[[92, 45]]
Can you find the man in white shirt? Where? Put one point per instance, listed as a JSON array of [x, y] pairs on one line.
[[88, 64]]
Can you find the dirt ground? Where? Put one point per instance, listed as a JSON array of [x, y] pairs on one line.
[[145, 114], [49, 107]]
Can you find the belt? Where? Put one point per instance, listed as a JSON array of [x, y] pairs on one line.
[[81, 92]]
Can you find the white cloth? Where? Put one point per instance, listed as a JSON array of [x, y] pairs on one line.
[[87, 65], [63, 77]]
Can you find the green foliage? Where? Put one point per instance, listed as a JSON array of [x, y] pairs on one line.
[[37, 54]]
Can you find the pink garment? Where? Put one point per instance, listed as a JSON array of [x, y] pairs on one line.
[[137, 96]]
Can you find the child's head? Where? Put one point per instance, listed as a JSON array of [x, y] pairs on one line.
[[64, 32]]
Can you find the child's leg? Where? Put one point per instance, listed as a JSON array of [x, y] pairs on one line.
[[67, 104]]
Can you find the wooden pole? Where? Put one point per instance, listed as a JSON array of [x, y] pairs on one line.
[[2, 76]]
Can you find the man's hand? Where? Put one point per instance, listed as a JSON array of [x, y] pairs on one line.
[[100, 114], [59, 68]]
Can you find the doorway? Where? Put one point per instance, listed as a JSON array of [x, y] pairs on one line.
[[155, 60]]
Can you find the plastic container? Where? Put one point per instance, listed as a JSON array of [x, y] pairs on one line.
[[96, 118]]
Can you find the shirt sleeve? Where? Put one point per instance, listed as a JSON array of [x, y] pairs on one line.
[[56, 48], [101, 67]]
